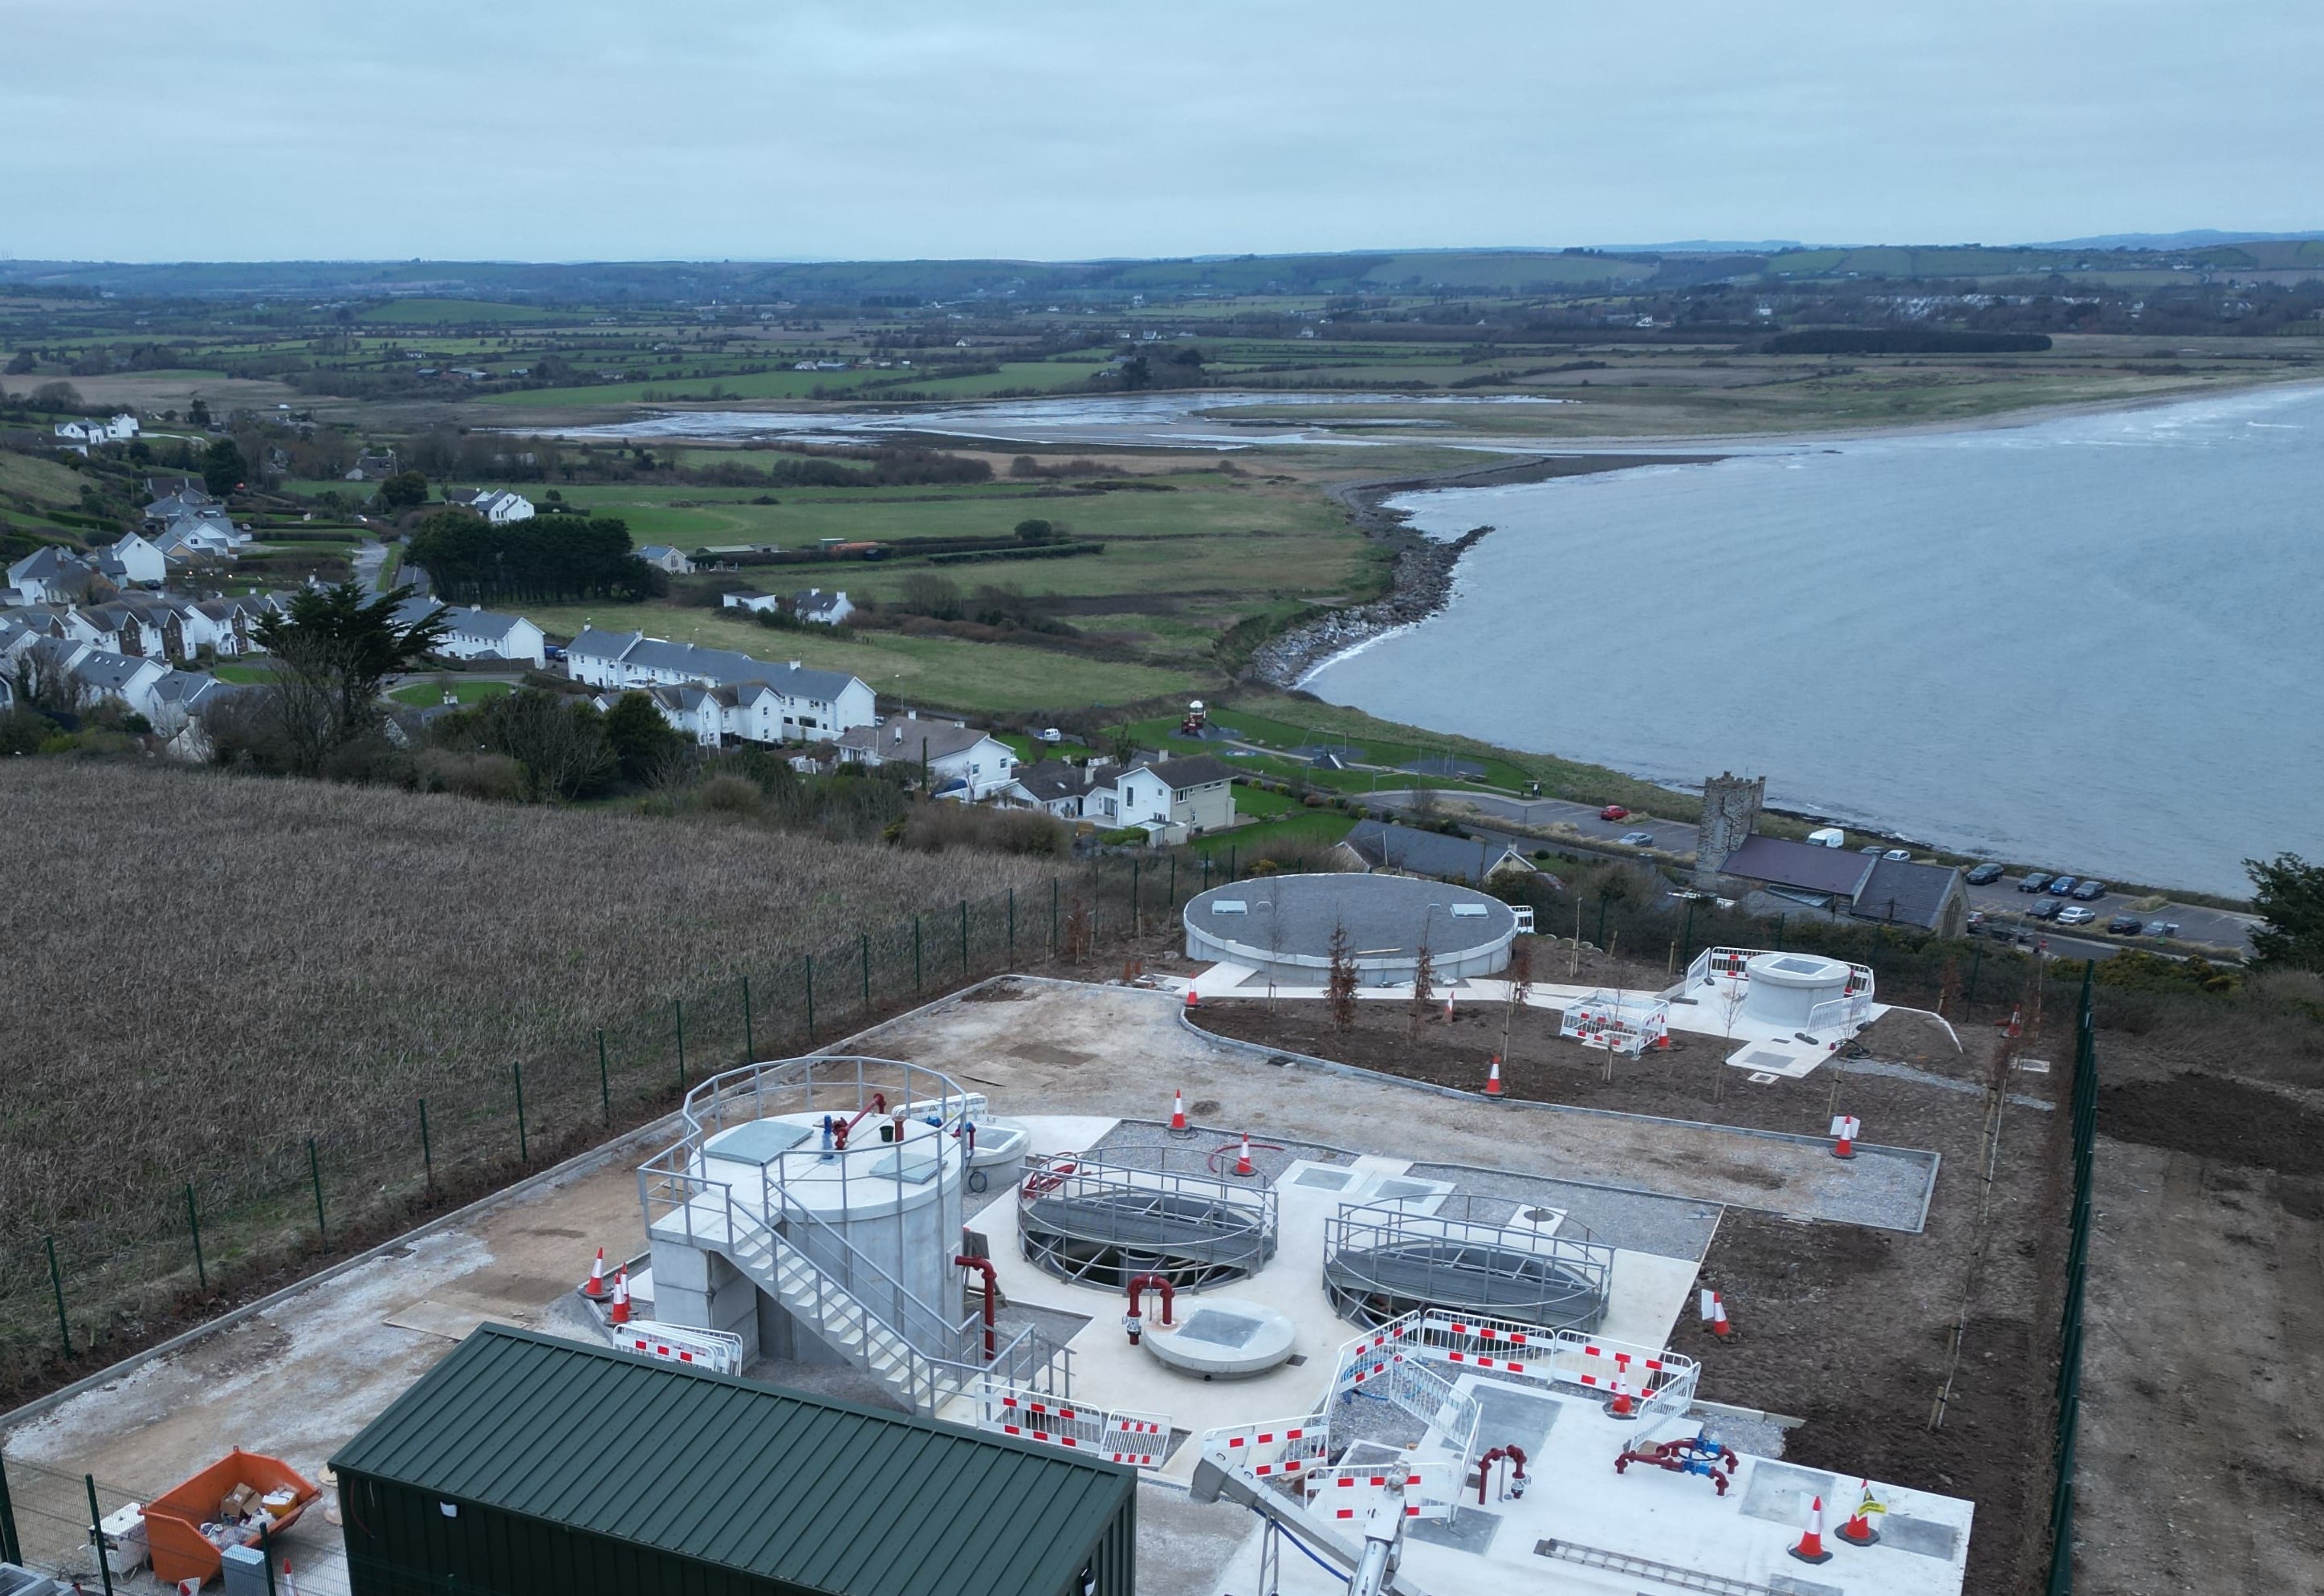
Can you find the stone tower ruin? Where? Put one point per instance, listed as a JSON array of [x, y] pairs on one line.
[[1730, 809]]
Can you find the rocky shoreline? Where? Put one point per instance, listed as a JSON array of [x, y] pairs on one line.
[[1422, 580]]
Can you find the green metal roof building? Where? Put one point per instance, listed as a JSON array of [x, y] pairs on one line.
[[525, 1465]]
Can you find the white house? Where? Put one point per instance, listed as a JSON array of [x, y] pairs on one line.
[[474, 633], [824, 609], [50, 575], [963, 762], [806, 705], [662, 557], [496, 505], [141, 562], [100, 675], [208, 536], [1196, 793]]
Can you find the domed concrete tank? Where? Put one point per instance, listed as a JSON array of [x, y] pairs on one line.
[[1784, 987]]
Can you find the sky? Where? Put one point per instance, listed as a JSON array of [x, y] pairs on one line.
[[1034, 129]]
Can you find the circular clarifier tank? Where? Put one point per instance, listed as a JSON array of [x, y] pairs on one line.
[[1785, 986], [1221, 1338]]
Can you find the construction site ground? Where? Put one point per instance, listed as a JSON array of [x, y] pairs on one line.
[[2203, 1373], [1848, 1327]]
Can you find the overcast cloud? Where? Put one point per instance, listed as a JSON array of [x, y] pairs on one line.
[[582, 129]]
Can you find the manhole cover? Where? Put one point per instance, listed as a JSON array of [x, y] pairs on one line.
[[1761, 1078]]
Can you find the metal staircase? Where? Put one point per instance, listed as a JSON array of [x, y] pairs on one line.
[[928, 1357]]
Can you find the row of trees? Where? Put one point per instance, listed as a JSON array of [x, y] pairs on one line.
[[549, 558]]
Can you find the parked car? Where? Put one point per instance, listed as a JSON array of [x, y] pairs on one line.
[[2163, 927], [1984, 874], [2060, 885], [2032, 882], [2086, 890], [2076, 915], [1976, 921], [1897, 854], [2047, 909], [1875, 849], [1637, 839], [1613, 812], [2124, 924]]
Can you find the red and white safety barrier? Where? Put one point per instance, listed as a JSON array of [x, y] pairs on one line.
[[714, 1350], [1141, 1440]]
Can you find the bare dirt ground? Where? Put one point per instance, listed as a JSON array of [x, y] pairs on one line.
[[2203, 1373], [1847, 1327]]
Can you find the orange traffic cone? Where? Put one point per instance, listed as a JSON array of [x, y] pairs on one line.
[[621, 1315], [1191, 1001], [1243, 1166], [1718, 1327], [1179, 1114], [2016, 1026], [1811, 1546], [1843, 1133], [1858, 1531], [1621, 1407], [1493, 1080], [594, 1287], [1662, 1042], [289, 1582], [1448, 1007]]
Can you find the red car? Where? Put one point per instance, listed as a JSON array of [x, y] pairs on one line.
[[1613, 812]]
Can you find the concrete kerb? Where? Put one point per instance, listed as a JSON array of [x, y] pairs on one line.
[[581, 1164], [1931, 1159]]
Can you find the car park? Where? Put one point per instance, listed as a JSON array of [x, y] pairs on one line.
[[2163, 927], [1637, 839], [2032, 882], [2124, 924], [2076, 915], [2086, 890], [2047, 909], [1984, 874], [2060, 885], [1613, 812]]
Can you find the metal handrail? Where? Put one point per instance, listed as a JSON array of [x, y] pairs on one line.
[[1077, 1197], [1395, 1223]]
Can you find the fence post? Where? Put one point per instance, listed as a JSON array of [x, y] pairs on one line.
[[604, 1085], [677, 1013], [1012, 927], [1603, 903], [1234, 866], [1779, 932], [1173, 880], [1137, 920], [427, 1148], [809, 982], [315, 1168], [866, 936], [963, 939], [96, 1535], [193, 1224], [1206, 873], [1976, 963], [916, 955], [750, 1034], [57, 1285], [11, 1550], [1686, 936], [266, 1553], [524, 1145], [1053, 914]]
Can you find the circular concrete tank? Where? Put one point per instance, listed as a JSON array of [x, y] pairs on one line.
[[1284, 925], [1785, 986], [1222, 1338]]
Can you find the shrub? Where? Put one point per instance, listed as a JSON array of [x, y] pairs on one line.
[[728, 794], [494, 777]]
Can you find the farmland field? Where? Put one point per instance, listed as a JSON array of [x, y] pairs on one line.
[[337, 954]]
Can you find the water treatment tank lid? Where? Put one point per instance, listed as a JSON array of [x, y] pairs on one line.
[[759, 1141]]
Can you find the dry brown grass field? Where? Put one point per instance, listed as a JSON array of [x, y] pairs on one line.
[[209, 970]]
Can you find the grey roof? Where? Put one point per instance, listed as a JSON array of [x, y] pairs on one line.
[[725, 667], [795, 1492], [1906, 893], [1804, 866], [47, 561], [594, 644], [192, 690], [1195, 771], [1386, 846], [898, 738], [1051, 780], [655, 551], [109, 672], [1292, 916]]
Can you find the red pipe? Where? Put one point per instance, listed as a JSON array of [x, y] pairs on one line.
[[840, 1132], [1516, 1454], [992, 1294], [1137, 1285]]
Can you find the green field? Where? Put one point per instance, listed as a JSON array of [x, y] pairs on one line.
[[1307, 830], [422, 694]]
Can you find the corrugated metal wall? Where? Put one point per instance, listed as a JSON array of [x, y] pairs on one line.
[[400, 1543]]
